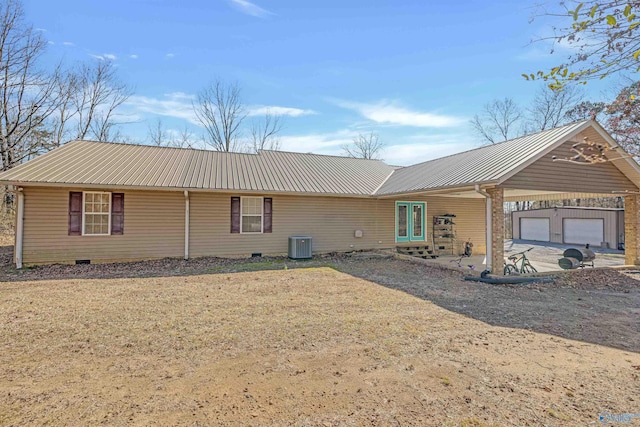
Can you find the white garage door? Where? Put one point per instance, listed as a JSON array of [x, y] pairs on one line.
[[579, 231], [534, 229]]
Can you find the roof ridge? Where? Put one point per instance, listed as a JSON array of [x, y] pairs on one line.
[[324, 155], [131, 144]]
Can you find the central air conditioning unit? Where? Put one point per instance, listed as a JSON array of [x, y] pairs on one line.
[[300, 247]]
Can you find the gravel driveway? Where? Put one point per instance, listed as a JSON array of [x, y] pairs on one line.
[[544, 256]]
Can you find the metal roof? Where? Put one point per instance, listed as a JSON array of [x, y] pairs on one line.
[[482, 165], [142, 166], [89, 163]]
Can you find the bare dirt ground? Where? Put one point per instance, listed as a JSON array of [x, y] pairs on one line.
[[390, 343]]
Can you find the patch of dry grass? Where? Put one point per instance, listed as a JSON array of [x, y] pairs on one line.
[[299, 347]]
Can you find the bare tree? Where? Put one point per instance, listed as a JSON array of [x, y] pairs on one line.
[[59, 122], [186, 138], [364, 146], [98, 94], [264, 133], [220, 111], [28, 95], [158, 134], [550, 108], [89, 96], [499, 121], [162, 137]]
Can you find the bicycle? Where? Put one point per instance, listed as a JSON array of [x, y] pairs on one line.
[[525, 265]]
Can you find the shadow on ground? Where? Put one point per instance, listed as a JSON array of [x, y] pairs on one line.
[[602, 311], [598, 306]]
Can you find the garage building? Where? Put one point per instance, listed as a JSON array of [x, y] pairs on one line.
[[602, 227]]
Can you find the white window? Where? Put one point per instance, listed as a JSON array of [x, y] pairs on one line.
[[251, 214], [96, 213]]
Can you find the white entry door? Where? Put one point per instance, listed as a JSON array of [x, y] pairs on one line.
[[580, 231], [535, 229]]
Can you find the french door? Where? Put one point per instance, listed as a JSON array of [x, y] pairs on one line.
[[410, 221]]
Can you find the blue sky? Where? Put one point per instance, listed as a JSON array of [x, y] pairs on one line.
[[415, 72]]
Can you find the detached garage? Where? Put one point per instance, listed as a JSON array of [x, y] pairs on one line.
[[571, 225], [535, 229]]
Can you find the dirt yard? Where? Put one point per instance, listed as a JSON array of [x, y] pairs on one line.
[[163, 344]]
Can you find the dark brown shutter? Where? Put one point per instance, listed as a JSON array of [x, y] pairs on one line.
[[117, 213], [75, 213], [268, 214], [235, 214]]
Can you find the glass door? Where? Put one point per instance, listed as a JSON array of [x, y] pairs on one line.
[[402, 222], [410, 221], [417, 221]]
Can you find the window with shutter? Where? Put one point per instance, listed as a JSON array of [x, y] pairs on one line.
[[96, 214], [251, 215]]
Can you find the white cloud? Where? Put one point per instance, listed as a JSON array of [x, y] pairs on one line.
[[261, 110], [176, 104], [68, 43], [104, 56], [390, 112], [134, 56], [420, 148], [322, 143], [170, 55], [252, 9], [411, 150], [180, 105]]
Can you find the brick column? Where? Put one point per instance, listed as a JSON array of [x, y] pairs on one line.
[[497, 228], [631, 222]]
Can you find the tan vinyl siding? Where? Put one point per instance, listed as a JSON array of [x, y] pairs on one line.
[[331, 222], [545, 174], [469, 221], [611, 220], [153, 228]]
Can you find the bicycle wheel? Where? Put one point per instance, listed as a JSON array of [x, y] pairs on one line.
[[510, 270], [528, 268]]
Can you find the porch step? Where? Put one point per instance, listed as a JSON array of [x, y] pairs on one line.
[[416, 251]]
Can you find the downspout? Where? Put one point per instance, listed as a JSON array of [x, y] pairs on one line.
[[19, 226], [186, 224], [489, 227]]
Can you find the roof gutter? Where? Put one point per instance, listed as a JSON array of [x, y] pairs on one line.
[[181, 189], [488, 223]]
